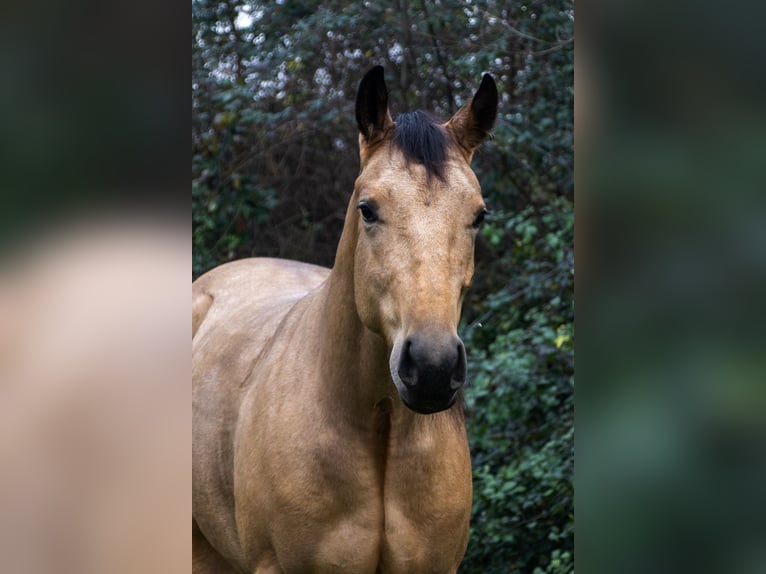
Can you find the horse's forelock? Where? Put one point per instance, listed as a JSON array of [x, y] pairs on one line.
[[422, 139]]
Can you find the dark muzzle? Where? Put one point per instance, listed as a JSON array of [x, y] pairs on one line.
[[432, 368]]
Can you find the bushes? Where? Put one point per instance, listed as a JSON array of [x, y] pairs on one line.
[[521, 401]]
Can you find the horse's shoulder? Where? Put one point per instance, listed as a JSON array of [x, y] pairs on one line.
[[236, 310]]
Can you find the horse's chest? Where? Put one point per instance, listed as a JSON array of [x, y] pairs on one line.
[[427, 507], [350, 513], [392, 535], [373, 502]]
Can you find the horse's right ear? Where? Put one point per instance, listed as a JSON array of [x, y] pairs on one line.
[[472, 123], [372, 114]]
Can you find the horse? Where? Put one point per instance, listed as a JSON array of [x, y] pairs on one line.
[[328, 427]]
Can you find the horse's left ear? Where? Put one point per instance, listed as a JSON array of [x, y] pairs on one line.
[[372, 116], [472, 123]]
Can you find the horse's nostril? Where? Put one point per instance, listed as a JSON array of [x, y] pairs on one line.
[[458, 375], [408, 370]]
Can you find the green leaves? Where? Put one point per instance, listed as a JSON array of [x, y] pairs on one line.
[[521, 398]]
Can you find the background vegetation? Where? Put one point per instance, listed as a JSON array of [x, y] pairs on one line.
[[274, 158]]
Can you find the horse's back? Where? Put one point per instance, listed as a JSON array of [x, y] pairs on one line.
[[245, 287], [236, 310]]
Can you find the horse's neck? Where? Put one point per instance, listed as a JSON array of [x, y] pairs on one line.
[[354, 361]]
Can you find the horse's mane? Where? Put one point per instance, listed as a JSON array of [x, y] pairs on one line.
[[421, 139]]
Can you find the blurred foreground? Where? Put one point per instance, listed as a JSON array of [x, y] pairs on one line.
[[671, 259], [95, 416]]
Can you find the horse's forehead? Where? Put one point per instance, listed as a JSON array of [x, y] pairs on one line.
[[389, 175]]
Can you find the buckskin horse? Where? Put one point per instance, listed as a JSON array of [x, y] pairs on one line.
[[327, 431]]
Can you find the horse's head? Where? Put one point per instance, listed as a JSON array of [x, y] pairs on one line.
[[417, 207]]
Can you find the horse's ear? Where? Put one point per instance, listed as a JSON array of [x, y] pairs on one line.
[[372, 115], [472, 123]]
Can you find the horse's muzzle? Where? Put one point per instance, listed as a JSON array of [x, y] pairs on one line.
[[430, 368]]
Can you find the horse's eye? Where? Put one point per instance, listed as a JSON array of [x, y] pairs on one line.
[[368, 213], [479, 218]]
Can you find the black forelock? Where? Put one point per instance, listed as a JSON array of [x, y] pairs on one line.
[[421, 139]]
